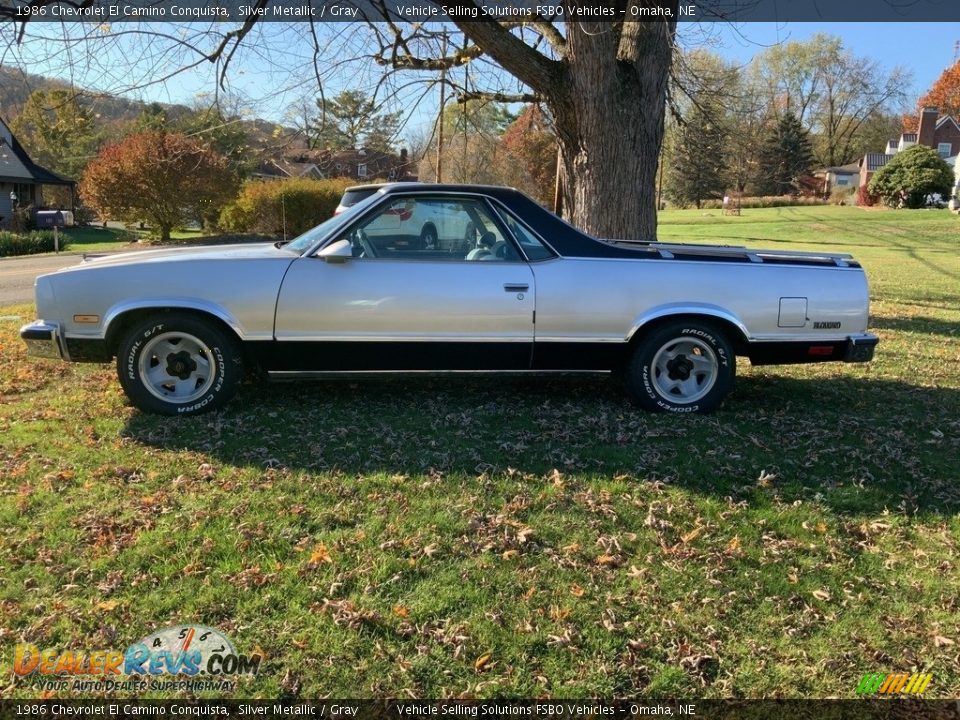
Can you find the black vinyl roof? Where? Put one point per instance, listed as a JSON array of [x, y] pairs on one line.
[[567, 240]]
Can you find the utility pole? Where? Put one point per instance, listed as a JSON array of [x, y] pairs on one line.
[[443, 88], [558, 185]]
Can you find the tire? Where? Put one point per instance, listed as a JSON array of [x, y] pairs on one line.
[[428, 238], [682, 367], [153, 351]]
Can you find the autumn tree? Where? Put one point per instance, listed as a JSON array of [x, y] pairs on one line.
[[944, 95], [911, 176], [58, 131], [471, 151], [164, 178], [529, 157]]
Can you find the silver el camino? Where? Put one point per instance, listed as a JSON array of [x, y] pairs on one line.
[[449, 278]]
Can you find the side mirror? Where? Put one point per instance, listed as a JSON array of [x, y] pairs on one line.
[[336, 252]]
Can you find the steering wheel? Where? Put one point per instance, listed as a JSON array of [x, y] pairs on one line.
[[501, 250]]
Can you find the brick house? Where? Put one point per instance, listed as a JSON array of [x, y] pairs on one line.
[[359, 164], [21, 179], [940, 133]]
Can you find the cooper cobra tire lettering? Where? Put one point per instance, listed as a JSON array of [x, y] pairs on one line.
[[205, 339], [706, 342]]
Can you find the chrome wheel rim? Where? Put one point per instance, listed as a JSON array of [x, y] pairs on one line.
[[177, 367], [684, 370]]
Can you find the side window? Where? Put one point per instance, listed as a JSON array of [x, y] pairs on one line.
[[433, 229], [529, 243]]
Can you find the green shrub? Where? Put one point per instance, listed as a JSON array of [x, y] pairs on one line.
[[842, 195], [297, 204], [765, 201], [37, 241]]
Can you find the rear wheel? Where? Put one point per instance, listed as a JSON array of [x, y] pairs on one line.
[[682, 366], [178, 364]]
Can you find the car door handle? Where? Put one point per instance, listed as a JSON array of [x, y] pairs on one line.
[[516, 287]]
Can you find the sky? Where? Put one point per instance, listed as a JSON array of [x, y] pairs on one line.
[[260, 73]]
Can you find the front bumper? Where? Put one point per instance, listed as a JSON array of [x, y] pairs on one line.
[[860, 348], [43, 339]]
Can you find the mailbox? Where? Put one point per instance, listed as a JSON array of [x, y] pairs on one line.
[[46, 219]]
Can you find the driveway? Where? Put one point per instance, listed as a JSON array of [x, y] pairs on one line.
[[18, 273]]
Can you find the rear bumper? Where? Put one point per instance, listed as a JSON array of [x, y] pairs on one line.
[[43, 339], [856, 348], [860, 348]]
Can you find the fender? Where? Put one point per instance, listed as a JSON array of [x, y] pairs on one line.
[[661, 311], [181, 303]]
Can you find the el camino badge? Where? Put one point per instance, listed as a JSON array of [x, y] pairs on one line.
[[826, 325]]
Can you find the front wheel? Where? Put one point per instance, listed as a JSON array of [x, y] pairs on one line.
[[178, 364], [682, 367]]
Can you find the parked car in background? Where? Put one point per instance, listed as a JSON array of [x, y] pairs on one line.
[[354, 194], [507, 286]]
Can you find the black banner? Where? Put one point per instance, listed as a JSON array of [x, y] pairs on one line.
[[113, 11], [506, 709]]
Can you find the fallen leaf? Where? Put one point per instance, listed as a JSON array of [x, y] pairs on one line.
[[821, 595], [482, 661], [821, 527], [107, 605], [320, 554], [529, 593], [692, 535], [509, 554], [734, 544], [941, 641], [606, 560], [576, 590], [401, 611]]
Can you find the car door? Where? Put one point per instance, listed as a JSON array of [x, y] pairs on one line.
[[399, 304]]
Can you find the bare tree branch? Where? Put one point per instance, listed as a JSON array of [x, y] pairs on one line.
[[466, 96]]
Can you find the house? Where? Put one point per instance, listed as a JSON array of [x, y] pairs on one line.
[[940, 133], [21, 179], [839, 177], [360, 164]]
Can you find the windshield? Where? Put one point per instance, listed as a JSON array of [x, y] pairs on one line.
[[302, 242]]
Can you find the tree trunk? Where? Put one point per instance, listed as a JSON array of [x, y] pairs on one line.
[[609, 116], [607, 93], [165, 232]]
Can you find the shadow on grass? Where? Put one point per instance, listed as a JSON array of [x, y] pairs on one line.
[[860, 446], [925, 325]]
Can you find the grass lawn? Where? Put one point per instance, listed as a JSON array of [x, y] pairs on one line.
[[94, 238], [487, 537]]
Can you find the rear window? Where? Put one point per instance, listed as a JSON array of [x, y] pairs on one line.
[[352, 197]]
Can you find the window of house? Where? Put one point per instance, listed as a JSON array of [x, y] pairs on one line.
[[362, 170], [944, 150], [843, 181]]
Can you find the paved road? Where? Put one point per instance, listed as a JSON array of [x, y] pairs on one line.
[[17, 275]]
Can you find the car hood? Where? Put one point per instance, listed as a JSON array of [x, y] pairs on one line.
[[250, 251]]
